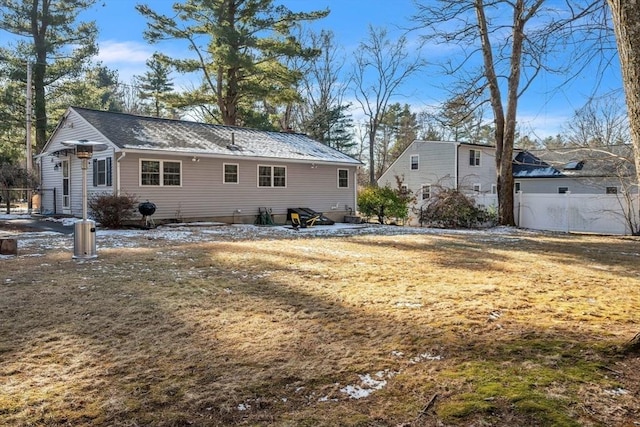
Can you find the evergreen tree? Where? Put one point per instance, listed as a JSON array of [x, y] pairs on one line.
[[154, 85], [240, 48], [52, 40], [407, 131], [98, 88]]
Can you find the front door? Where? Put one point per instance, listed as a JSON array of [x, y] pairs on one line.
[[66, 188]]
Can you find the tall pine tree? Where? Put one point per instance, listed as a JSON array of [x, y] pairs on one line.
[[240, 50], [154, 85], [52, 41]]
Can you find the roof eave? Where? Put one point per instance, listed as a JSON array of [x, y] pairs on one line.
[[236, 157]]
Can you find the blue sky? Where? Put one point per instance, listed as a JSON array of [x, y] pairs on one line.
[[543, 110]]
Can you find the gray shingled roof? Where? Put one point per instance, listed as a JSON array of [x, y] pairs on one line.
[[151, 133], [575, 162]]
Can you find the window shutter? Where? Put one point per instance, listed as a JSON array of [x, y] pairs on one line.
[[109, 172], [95, 172]]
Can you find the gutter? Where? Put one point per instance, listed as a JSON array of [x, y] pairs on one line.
[[456, 166], [205, 155]]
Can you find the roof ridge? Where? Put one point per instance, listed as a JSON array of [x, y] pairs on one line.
[[190, 122]]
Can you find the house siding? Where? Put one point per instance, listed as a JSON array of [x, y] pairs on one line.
[[575, 186], [443, 164], [72, 127], [436, 166], [483, 174], [204, 195]]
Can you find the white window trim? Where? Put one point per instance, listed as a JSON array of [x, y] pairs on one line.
[[417, 156], [494, 189], [98, 172], [477, 158], [224, 175], [422, 187], [477, 188], [348, 179], [286, 176], [161, 184]]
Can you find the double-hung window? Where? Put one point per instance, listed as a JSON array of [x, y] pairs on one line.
[[474, 157], [426, 191], [160, 173], [102, 172], [343, 178], [415, 162], [231, 173], [272, 176]]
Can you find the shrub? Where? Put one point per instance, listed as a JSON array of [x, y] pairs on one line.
[[383, 202], [111, 211], [449, 208]]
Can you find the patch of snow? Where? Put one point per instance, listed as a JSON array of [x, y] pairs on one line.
[[46, 241], [425, 357], [617, 391], [409, 305], [244, 407], [14, 216], [367, 385], [66, 221]]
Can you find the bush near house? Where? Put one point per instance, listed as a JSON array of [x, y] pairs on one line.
[[112, 211], [384, 202], [449, 208]]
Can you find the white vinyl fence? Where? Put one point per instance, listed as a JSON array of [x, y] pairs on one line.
[[581, 213], [585, 213]]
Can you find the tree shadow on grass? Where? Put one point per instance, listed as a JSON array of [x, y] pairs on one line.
[[200, 337]]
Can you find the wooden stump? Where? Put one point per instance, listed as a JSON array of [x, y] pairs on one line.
[[8, 246]]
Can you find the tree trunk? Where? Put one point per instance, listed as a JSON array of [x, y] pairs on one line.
[[504, 141], [372, 143], [626, 22], [39, 33]]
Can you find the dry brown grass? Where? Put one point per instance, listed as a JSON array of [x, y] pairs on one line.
[[503, 330]]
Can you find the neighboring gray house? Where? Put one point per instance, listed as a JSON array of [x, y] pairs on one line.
[[601, 170], [195, 171], [427, 165]]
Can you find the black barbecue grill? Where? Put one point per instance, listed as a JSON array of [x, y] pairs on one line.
[[147, 209]]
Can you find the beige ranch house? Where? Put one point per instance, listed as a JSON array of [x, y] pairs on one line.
[[195, 171]]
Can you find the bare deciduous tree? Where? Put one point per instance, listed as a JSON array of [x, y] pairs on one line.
[[381, 67], [512, 51], [322, 114], [626, 21], [598, 134], [601, 122]]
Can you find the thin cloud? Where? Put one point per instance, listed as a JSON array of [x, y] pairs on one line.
[[123, 52]]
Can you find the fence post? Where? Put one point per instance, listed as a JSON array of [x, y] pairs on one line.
[[568, 209], [519, 208]]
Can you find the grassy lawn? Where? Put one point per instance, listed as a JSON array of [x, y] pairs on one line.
[[446, 329]]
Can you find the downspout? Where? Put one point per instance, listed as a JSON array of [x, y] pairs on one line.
[[118, 172], [456, 166], [355, 190]]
